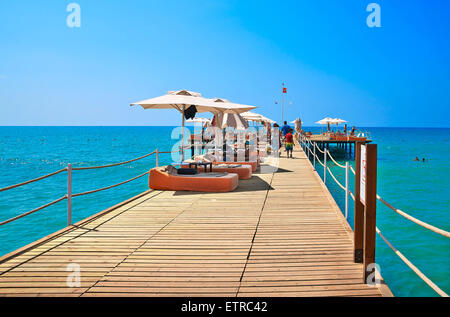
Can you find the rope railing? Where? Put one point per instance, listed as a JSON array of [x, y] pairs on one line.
[[411, 218], [32, 180], [168, 152], [332, 158], [408, 263], [108, 187], [402, 213], [111, 165], [415, 220], [412, 266], [351, 195], [69, 194], [319, 160], [323, 152], [326, 168], [337, 182], [318, 148], [32, 211]]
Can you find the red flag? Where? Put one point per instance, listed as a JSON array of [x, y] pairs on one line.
[[284, 90]]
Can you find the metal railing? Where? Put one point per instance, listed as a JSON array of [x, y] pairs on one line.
[[307, 144], [69, 195]]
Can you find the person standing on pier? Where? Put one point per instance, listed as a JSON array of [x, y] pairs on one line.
[[289, 139], [285, 128]]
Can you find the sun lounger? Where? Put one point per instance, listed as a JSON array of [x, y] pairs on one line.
[[244, 171], [161, 179], [211, 158], [254, 164]]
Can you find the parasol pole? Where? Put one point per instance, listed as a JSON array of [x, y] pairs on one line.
[[182, 135]]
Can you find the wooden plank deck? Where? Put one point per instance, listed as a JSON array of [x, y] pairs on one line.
[[278, 234]]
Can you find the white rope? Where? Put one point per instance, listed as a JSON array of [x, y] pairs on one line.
[[411, 218], [340, 185], [323, 152], [342, 166], [415, 220], [318, 160], [412, 266], [351, 194], [408, 263]]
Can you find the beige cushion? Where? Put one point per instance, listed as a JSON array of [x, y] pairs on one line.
[[170, 170]]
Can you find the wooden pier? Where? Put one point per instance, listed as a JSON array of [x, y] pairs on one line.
[[278, 234], [342, 143]]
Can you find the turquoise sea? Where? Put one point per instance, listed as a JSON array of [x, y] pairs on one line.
[[421, 189]]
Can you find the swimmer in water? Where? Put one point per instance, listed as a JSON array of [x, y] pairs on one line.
[[416, 159]]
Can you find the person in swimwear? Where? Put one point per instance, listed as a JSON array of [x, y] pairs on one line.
[[289, 138]]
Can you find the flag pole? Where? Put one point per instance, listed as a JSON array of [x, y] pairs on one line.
[[282, 104]]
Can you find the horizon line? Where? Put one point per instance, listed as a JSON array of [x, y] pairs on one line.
[[190, 124]]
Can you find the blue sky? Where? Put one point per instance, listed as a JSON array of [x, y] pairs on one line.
[[125, 51]]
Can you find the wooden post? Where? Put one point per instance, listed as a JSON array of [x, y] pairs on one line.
[[359, 209], [370, 215]]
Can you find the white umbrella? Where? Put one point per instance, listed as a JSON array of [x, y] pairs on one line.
[[325, 120], [224, 106], [337, 121], [183, 99], [253, 116], [231, 120], [265, 119]]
